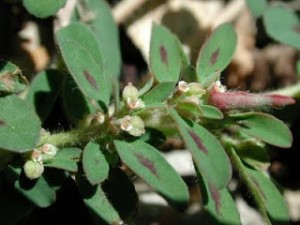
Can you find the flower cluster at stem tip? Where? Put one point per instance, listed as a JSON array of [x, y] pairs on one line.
[[34, 167]]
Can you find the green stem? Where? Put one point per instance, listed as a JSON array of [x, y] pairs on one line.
[[73, 137], [257, 195]]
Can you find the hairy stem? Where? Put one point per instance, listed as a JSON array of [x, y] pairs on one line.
[[291, 91], [257, 195]]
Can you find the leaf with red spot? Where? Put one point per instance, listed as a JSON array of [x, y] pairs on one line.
[[216, 54], [94, 164], [82, 55], [165, 60], [19, 125], [283, 25], [219, 204], [208, 154], [150, 165]]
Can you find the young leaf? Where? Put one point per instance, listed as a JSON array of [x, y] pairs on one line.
[[66, 159], [44, 90], [216, 53], [273, 200], [37, 191], [208, 154], [164, 55], [265, 127], [75, 104], [11, 78], [19, 125], [96, 200], [257, 7], [106, 31], [211, 112], [283, 25], [80, 50], [43, 8], [94, 163], [150, 165], [159, 93], [219, 204]]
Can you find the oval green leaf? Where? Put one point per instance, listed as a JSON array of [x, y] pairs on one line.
[[219, 204], [37, 191], [66, 159], [44, 90], [165, 61], [283, 25], [150, 165], [274, 202], [11, 78], [257, 7], [211, 112], [82, 55], [43, 8], [208, 154], [19, 125], [265, 127], [159, 93], [216, 54], [94, 163], [106, 31], [96, 200]]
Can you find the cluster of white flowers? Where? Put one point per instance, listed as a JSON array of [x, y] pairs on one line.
[[192, 91], [34, 167]]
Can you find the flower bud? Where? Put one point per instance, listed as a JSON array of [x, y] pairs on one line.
[[195, 89], [183, 86], [36, 155], [33, 170], [130, 92], [133, 125], [49, 149]]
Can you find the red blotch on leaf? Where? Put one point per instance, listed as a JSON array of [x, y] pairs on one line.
[[216, 196], [2, 123], [214, 57], [198, 142], [297, 28], [163, 55], [147, 163], [90, 79]]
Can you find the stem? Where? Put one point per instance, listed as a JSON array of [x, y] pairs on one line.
[[257, 195], [73, 137]]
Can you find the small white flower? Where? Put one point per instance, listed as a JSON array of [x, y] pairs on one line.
[[219, 87], [133, 125], [36, 155], [130, 92], [49, 149], [183, 86]]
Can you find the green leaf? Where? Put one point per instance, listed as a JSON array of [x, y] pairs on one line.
[[298, 68], [19, 125], [66, 159], [216, 54], [11, 78], [257, 7], [283, 25], [159, 93], [211, 112], [147, 86], [44, 90], [75, 104], [208, 154], [265, 127], [96, 200], [94, 164], [219, 204], [165, 59], [80, 50], [150, 165], [106, 31], [273, 200], [43, 8], [37, 191]]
